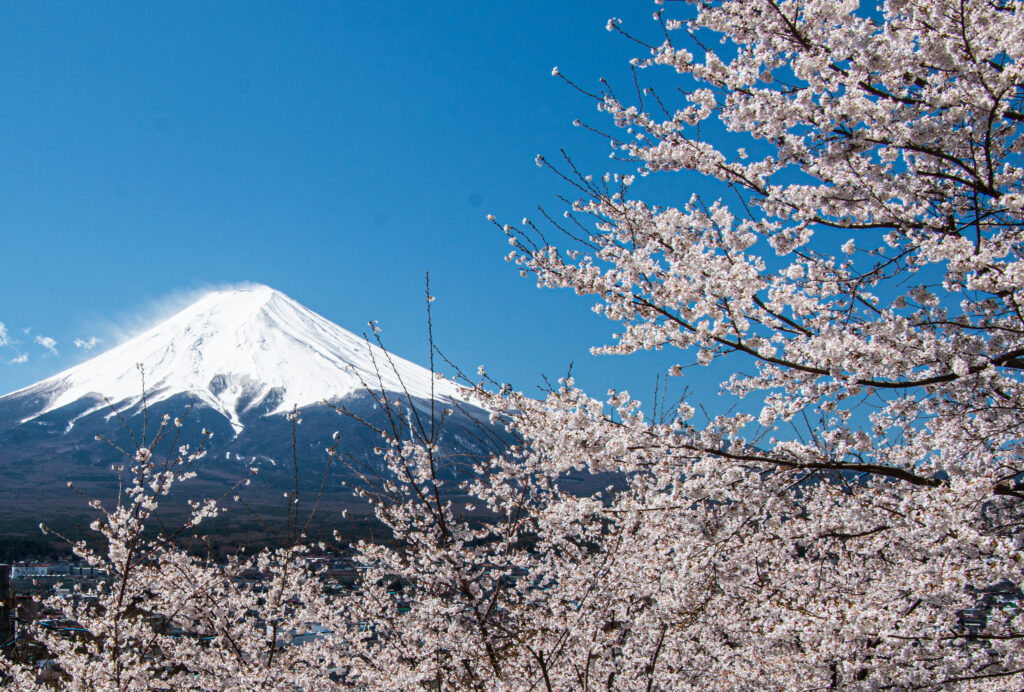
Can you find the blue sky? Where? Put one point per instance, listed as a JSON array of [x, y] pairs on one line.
[[335, 151]]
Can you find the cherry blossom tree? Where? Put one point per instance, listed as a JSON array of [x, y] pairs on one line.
[[164, 618], [862, 270]]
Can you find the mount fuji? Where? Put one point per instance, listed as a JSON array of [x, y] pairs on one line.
[[238, 361]]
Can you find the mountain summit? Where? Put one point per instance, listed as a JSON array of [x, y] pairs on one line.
[[236, 351]]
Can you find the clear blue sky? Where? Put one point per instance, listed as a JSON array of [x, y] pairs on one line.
[[335, 151]]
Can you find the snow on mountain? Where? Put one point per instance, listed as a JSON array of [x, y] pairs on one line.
[[238, 350]]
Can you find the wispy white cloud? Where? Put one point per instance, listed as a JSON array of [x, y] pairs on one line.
[[3, 334], [87, 345], [23, 358], [121, 327], [47, 342], [26, 330]]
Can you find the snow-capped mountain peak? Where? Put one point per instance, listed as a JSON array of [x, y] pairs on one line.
[[239, 350]]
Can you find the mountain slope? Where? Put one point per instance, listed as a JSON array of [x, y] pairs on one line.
[[241, 359], [236, 351]]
